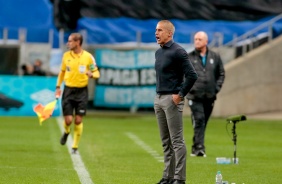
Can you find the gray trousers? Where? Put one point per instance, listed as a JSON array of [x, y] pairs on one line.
[[169, 117]]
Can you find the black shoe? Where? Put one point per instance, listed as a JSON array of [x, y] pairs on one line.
[[165, 181], [64, 138], [201, 153], [198, 151], [193, 154], [178, 182], [74, 151]]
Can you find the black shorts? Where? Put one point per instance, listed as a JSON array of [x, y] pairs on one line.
[[75, 99]]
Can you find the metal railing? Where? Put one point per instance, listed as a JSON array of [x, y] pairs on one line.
[[246, 42], [250, 34], [21, 38]]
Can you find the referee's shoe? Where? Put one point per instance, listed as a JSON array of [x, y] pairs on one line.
[[64, 138], [74, 151]]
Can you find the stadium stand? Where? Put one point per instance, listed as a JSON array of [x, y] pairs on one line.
[[39, 21], [118, 30], [39, 29]]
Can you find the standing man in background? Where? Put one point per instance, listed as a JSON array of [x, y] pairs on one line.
[[37, 68], [77, 66], [201, 97], [175, 76]]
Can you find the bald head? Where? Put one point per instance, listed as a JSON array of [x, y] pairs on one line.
[[200, 40], [202, 34]]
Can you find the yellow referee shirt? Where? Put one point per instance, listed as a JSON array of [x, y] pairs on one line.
[[75, 67]]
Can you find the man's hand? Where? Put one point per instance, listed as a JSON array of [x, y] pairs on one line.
[[89, 74], [58, 92], [176, 98]]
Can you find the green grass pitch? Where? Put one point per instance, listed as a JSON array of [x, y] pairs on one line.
[[31, 154]]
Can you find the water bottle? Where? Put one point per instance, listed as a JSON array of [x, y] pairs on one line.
[[218, 178]]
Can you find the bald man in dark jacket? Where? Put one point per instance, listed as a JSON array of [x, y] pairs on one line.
[[201, 97]]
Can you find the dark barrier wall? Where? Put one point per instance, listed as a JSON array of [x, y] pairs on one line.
[[66, 13], [9, 59], [182, 9], [167, 9]]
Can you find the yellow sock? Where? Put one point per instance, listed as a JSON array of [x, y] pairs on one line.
[[77, 134], [67, 128]]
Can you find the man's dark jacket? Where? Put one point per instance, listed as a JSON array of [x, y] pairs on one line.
[[210, 77]]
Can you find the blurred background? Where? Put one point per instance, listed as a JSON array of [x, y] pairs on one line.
[[121, 36]]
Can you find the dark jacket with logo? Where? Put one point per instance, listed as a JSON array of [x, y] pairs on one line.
[[210, 77]]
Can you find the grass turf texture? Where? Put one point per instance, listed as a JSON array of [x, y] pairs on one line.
[[30, 153]]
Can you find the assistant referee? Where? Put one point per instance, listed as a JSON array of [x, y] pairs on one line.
[[77, 67]]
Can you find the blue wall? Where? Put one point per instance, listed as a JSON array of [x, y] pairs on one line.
[[36, 16], [30, 90]]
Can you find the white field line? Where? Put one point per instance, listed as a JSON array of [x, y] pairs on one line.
[[144, 146], [78, 164]]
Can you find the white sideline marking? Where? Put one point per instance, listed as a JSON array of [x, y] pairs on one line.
[[144, 146], [78, 164]]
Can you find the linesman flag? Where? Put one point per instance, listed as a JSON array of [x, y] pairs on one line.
[[46, 112]]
